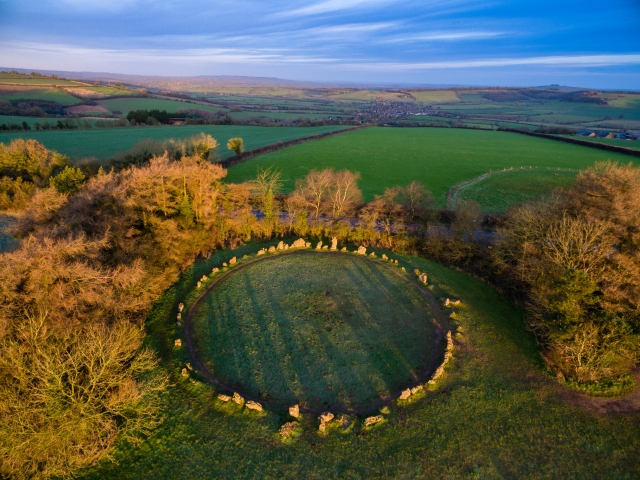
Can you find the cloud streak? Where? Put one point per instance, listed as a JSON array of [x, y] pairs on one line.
[[331, 6]]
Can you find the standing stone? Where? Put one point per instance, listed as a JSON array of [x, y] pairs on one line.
[[181, 307], [177, 343], [215, 270], [322, 427], [179, 316], [362, 250], [199, 284], [415, 390], [319, 245], [224, 398], [233, 261], [294, 411], [405, 394], [224, 264], [344, 249], [326, 247], [204, 278], [373, 254], [371, 420], [300, 243], [185, 373], [189, 366], [280, 245], [326, 417], [307, 245], [287, 429], [334, 244], [272, 249], [262, 251], [384, 257], [237, 398], [403, 269], [251, 405]]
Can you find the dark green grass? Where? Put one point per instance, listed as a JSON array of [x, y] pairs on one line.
[[494, 415], [125, 105], [319, 329], [503, 189], [437, 157], [38, 93], [104, 143]]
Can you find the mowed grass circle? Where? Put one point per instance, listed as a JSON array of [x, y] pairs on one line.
[[325, 330]]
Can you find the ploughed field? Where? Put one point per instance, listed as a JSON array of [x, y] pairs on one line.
[[438, 157], [494, 414], [105, 143], [323, 330]]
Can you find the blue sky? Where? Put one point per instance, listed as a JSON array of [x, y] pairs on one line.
[[461, 42]]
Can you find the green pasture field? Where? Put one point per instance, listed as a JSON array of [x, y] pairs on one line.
[[27, 80], [111, 91], [125, 105], [37, 93], [497, 192], [494, 414], [437, 157], [323, 330], [104, 143], [436, 96]]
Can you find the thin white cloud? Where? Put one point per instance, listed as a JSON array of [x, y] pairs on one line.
[[444, 37], [329, 6], [558, 61]]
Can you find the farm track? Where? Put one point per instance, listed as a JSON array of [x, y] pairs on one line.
[[205, 372]]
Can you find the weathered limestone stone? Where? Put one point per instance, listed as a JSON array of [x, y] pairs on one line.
[[384, 257], [177, 343], [181, 307], [189, 366], [280, 245], [224, 398], [403, 269], [262, 251], [449, 302], [319, 245], [395, 261], [224, 264], [204, 278], [334, 244], [322, 427], [233, 261], [326, 417], [272, 249], [372, 420], [300, 243], [215, 270], [447, 356], [199, 284], [405, 394], [251, 405], [287, 429], [294, 411], [362, 250], [453, 315], [326, 247], [307, 245], [286, 247], [237, 398], [179, 316], [185, 373], [179, 323], [416, 271], [415, 390], [373, 254], [344, 249]]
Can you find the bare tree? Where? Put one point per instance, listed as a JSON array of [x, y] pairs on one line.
[[314, 189], [344, 192], [267, 180]]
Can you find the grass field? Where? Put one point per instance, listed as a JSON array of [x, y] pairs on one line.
[[632, 144], [436, 96], [323, 330], [27, 80], [104, 143], [495, 414], [125, 105], [37, 93], [438, 157], [502, 189]]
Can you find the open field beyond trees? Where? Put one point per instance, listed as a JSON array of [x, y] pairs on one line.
[[439, 158], [328, 331], [105, 143], [495, 414]]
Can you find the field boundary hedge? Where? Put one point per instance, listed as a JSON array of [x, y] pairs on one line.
[[236, 159], [575, 141]]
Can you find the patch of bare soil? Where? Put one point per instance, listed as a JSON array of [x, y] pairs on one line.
[[85, 93], [629, 403], [87, 109]]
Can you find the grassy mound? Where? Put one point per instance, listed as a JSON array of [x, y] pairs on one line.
[[328, 331]]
